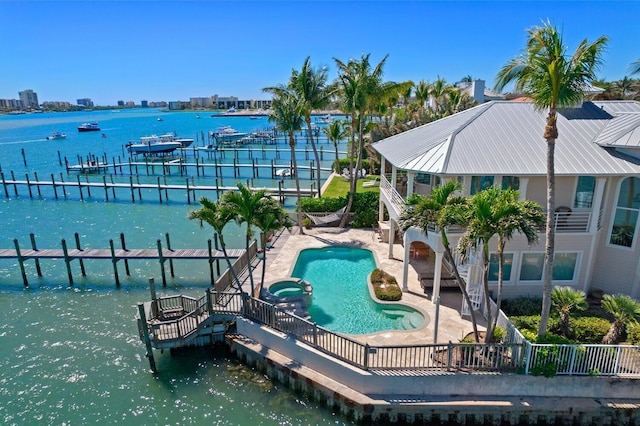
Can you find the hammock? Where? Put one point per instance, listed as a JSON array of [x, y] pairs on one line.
[[329, 218]]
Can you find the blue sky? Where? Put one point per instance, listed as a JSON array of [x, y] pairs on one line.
[[169, 50]]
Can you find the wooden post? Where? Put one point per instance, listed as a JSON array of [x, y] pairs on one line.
[[146, 337], [124, 247], [154, 298], [84, 274], [188, 193], [215, 238], [80, 189], [67, 260], [35, 174], [4, 185], [86, 178], [114, 261], [53, 183], [64, 188], [24, 158], [15, 187], [161, 259], [139, 189], [159, 190], [211, 276], [234, 168], [113, 188], [170, 260], [21, 263], [28, 185], [166, 190], [106, 188], [59, 158]]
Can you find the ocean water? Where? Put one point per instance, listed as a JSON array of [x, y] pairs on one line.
[[71, 354]]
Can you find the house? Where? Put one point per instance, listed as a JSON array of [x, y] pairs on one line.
[[597, 166]]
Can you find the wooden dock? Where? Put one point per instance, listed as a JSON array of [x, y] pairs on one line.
[[115, 255]]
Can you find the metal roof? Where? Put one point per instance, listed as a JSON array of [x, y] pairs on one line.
[[506, 138]]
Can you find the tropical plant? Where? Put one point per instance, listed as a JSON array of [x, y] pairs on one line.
[[311, 86], [217, 218], [287, 111], [359, 86], [625, 311], [422, 93], [244, 204], [438, 211], [564, 300], [634, 68], [335, 132], [269, 216], [497, 212], [553, 80], [439, 91]]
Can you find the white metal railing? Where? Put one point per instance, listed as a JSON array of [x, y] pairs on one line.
[[575, 221], [397, 200]]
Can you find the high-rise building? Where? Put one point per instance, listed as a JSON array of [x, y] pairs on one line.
[[87, 102], [144, 104], [29, 99]]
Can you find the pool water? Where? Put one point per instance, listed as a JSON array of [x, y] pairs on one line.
[[341, 299], [286, 289]]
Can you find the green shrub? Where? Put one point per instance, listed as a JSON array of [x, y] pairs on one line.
[[633, 333], [589, 329], [344, 164], [385, 286], [364, 211], [322, 204], [526, 322], [522, 306], [498, 334]]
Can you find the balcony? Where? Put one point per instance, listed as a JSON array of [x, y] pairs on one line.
[[566, 221]]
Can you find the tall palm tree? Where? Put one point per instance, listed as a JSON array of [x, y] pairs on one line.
[[439, 90], [553, 80], [311, 86], [335, 132], [359, 86], [422, 92], [497, 212], [244, 205], [438, 211], [217, 218], [269, 217], [287, 113], [406, 98], [564, 300], [625, 311]]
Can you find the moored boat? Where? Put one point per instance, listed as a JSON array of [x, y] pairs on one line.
[[56, 135], [88, 127], [150, 145], [227, 134]]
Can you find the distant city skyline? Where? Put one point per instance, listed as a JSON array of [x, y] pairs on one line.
[[172, 51]]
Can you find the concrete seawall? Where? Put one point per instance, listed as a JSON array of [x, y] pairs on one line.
[[439, 398]]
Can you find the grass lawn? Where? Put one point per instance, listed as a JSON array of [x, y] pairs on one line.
[[339, 187]]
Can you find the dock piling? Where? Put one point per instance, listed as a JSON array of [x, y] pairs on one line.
[[21, 263], [123, 244], [77, 237], [114, 261], [67, 261]]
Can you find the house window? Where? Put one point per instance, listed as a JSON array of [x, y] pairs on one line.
[[532, 266], [480, 183], [626, 215], [506, 270], [424, 178], [512, 182], [564, 266], [584, 192]]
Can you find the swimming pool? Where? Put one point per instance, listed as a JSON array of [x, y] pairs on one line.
[[341, 298]]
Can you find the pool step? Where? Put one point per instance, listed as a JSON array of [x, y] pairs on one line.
[[394, 314], [416, 319]]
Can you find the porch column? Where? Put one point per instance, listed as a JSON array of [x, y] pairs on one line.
[[394, 177], [383, 165], [437, 272], [598, 193], [392, 235], [410, 178], [405, 261], [381, 210], [523, 188]]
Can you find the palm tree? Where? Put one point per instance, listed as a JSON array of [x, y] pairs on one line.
[[217, 218], [634, 68], [359, 85], [564, 300], [269, 217], [625, 311], [406, 98], [553, 80], [497, 212], [287, 111], [311, 86], [335, 132], [626, 87], [439, 89], [438, 211], [244, 205], [422, 92]]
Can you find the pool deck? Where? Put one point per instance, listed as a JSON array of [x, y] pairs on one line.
[[451, 326]]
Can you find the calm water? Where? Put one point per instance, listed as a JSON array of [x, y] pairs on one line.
[[71, 355], [341, 299]]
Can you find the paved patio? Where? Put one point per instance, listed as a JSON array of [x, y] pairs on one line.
[[451, 326]]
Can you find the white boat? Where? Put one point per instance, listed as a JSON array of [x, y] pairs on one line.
[[56, 135], [160, 119], [154, 145], [227, 134], [325, 119], [197, 115], [285, 172], [89, 127]]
